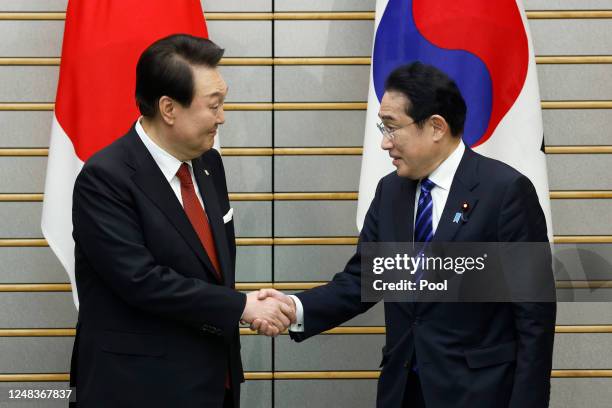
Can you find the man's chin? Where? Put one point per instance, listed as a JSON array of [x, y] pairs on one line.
[[400, 170], [208, 145], [403, 172], [201, 150]]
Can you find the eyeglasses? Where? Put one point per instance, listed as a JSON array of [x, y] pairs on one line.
[[390, 133]]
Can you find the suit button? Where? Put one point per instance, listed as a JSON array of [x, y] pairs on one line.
[[407, 364]]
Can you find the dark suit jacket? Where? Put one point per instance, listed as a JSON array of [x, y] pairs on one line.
[[469, 354], [155, 327]]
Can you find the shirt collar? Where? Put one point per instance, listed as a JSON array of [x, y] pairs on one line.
[[167, 163], [443, 175]]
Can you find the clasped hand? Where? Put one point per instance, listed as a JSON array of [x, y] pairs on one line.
[[269, 312]]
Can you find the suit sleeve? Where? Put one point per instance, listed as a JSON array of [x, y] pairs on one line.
[[107, 229], [330, 305], [522, 220]]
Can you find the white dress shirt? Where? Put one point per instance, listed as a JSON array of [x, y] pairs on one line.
[[442, 177], [168, 164]]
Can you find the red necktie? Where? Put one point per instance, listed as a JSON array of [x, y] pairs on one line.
[[198, 218]]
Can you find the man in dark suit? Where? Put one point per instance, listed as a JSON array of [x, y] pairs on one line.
[[155, 248], [441, 355]]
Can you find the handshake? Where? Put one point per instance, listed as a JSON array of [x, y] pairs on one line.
[[269, 312]]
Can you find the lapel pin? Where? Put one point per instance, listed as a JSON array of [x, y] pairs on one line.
[[207, 173], [457, 218]]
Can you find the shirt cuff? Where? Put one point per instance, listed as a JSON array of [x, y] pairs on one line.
[[298, 326]]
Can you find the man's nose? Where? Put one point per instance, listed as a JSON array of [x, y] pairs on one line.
[[386, 143], [220, 116]]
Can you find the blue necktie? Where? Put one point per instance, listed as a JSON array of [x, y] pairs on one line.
[[423, 227]]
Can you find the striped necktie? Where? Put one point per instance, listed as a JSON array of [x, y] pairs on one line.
[[423, 227]]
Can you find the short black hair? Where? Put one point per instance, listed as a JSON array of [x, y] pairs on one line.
[[164, 68], [429, 92]]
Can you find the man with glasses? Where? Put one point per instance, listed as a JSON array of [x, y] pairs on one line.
[[440, 355]]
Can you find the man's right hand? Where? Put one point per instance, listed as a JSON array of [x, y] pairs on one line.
[[278, 314], [261, 325]]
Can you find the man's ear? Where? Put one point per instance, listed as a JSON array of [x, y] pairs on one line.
[[167, 110], [440, 127]]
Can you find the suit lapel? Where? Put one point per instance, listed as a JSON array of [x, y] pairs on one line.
[[461, 192], [215, 218], [154, 185]]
